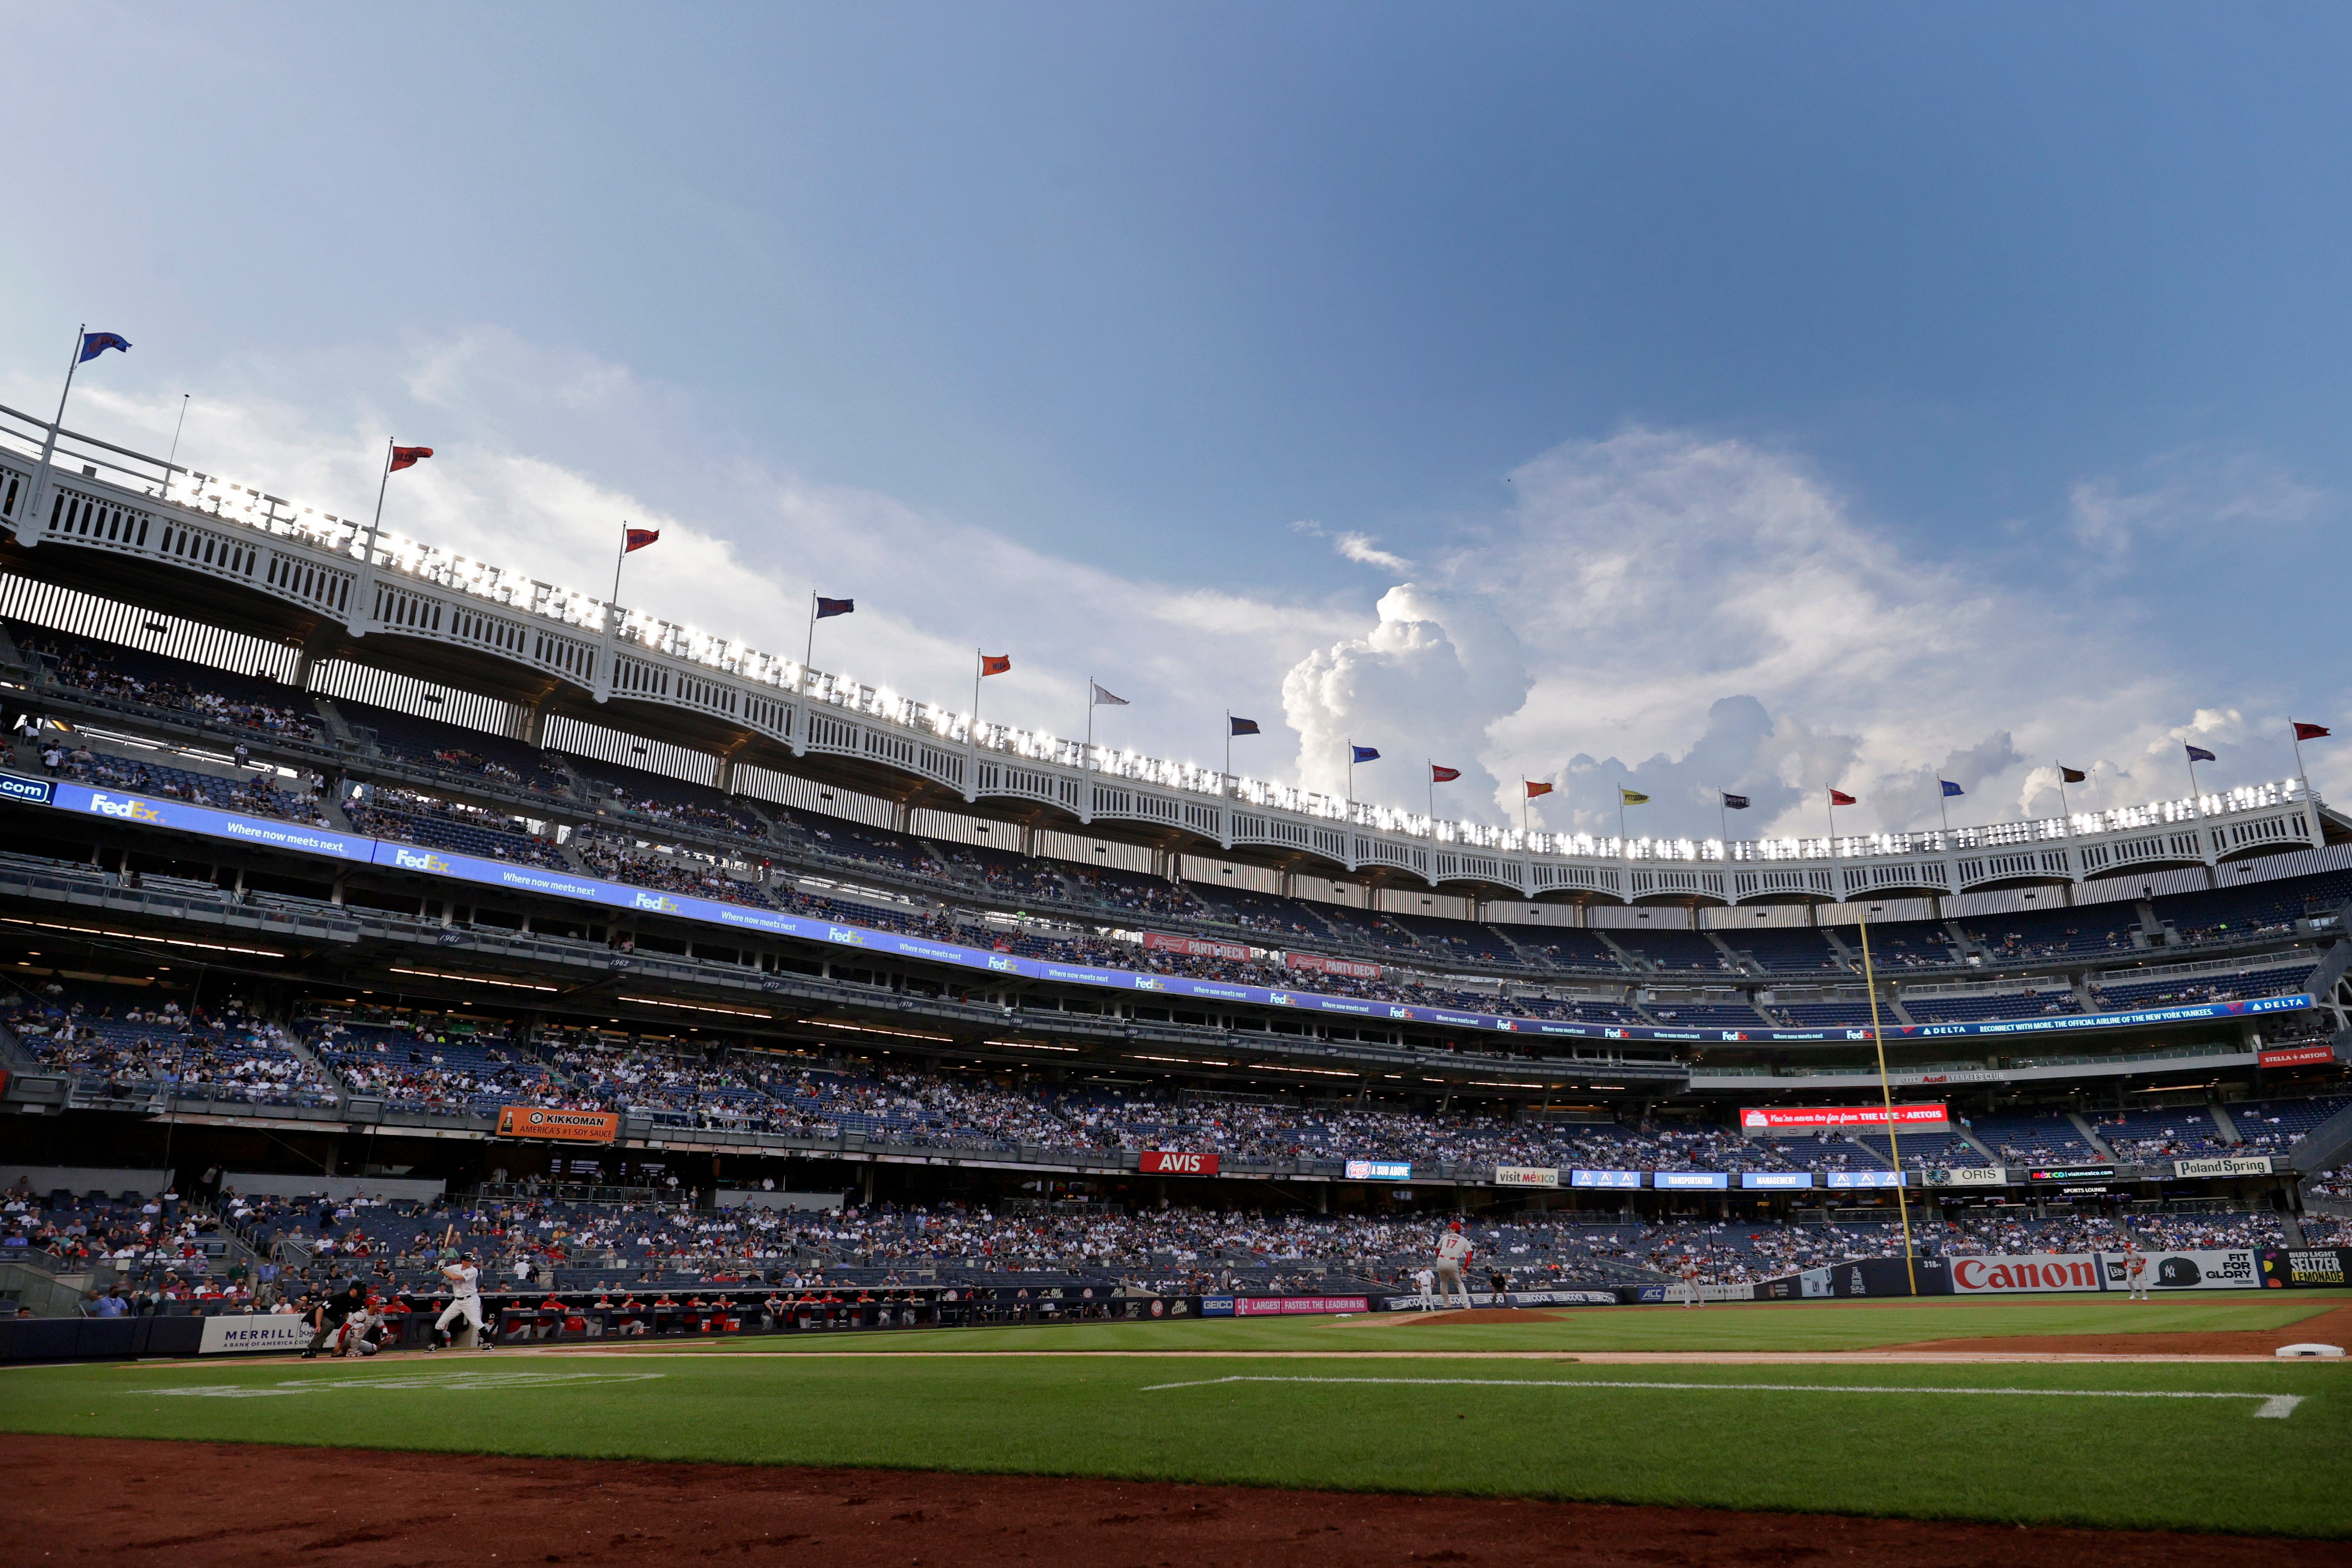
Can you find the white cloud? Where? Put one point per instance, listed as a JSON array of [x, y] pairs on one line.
[[1360, 548], [2193, 495]]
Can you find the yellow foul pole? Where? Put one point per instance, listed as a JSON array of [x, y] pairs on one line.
[[1886, 1091]]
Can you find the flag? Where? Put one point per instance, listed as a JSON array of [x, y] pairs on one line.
[[1362, 754], [1103, 699], [2310, 731], [830, 607], [1240, 726], [2072, 775], [2199, 754], [1442, 775], [95, 343], [1535, 788], [1950, 788], [1734, 802], [995, 663], [1840, 798], [1631, 796], [638, 539], [408, 456]]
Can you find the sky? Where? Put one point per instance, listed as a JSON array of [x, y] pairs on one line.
[[1716, 397]]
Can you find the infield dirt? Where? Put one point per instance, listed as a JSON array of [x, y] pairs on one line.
[[108, 1500]]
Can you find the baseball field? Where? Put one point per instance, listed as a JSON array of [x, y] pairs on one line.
[[2170, 1416]]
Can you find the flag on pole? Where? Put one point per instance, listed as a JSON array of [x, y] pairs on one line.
[[410, 456], [2072, 775], [826, 608], [2310, 731], [1840, 798], [995, 663], [637, 539], [2199, 754], [1631, 796], [1950, 788], [1535, 788], [1362, 754], [1103, 699], [95, 343], [1240, 726], [1442, 775], [1734, 802]]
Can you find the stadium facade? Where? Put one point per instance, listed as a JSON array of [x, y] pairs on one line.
[[399, 791]]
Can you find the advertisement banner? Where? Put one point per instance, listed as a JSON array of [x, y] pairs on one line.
[[2017, 1276], [1866, 1277], [1604, 1179], [1350, 967], [1291, 1306], [2298, 1056], [1216, 1306], [260, 1330], [1690, 1181], [1380, 1170], [1969, 1175], [2286, 1268], [560, 1126], [1527, 1175], [1864, 1178], [2232, 1268], [1771, 1181], [1174, 1162], [1805, 1118], [2071, 1173], [1195, 947], [2226, 1166]]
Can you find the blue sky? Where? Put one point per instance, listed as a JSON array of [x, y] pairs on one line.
[[1721, 396]]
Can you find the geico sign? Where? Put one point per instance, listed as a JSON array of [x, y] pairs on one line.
[[1170, 1161], [2062, 1271]]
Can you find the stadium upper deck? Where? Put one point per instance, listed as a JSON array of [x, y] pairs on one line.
[[128, 527]]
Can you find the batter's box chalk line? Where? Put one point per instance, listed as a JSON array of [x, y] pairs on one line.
[[2274, 1407], [457, 1382]]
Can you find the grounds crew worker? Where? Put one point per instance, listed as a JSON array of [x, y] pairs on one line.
[[1453, 1260]]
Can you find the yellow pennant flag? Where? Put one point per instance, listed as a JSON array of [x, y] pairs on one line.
[[1632, 797]]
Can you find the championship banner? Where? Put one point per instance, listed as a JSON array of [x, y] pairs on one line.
[[2224, 1165], [560, 1126], [1349, 966], [1174, 1162], [1195, 947], [1803, 1118], [1527, 1175], [2297, 1056]]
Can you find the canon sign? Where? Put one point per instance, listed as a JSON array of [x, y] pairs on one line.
[[2058, 1272], [1175, 1162]]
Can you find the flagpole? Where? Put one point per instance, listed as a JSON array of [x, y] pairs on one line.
[[976, 667], [2065, 810], [808, 681], [1430, 763], [177, 425], [2195, 804], [1942, 809], [1085, 758], [2297, 735], [1226, 785], [1352, 778], [1886, 1091], [1832, 822], [617, 560], [1723, 815], [26, 519], [366, 595]]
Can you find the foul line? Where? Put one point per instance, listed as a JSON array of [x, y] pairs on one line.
[[2276, 1406]]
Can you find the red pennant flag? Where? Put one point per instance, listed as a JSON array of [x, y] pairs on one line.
[[995, 663], [1442, 775], [1840, 798], [638, 539], [1535, 788], [2310, 731], [408, 456]]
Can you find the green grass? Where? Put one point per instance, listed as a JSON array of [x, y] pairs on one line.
[[2197, 1464]]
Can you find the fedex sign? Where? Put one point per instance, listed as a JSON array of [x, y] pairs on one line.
[[1174, 1162]]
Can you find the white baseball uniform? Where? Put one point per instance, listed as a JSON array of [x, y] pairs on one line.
[[1424, 1279], [1453, 1258], [465, 1300], [2136, 1271], [1690, 1282]]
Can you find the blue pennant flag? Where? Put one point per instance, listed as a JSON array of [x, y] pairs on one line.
[[1242, 726], [2199, 754], [827, 606], [1363, 754], [1950, 787], [95, 343]]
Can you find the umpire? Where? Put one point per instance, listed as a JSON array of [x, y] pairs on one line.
[[329, 1315]]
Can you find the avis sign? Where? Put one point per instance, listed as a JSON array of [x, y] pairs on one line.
[[1177, 1162]]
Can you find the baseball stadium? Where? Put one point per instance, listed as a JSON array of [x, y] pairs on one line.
[[532, 1080]]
